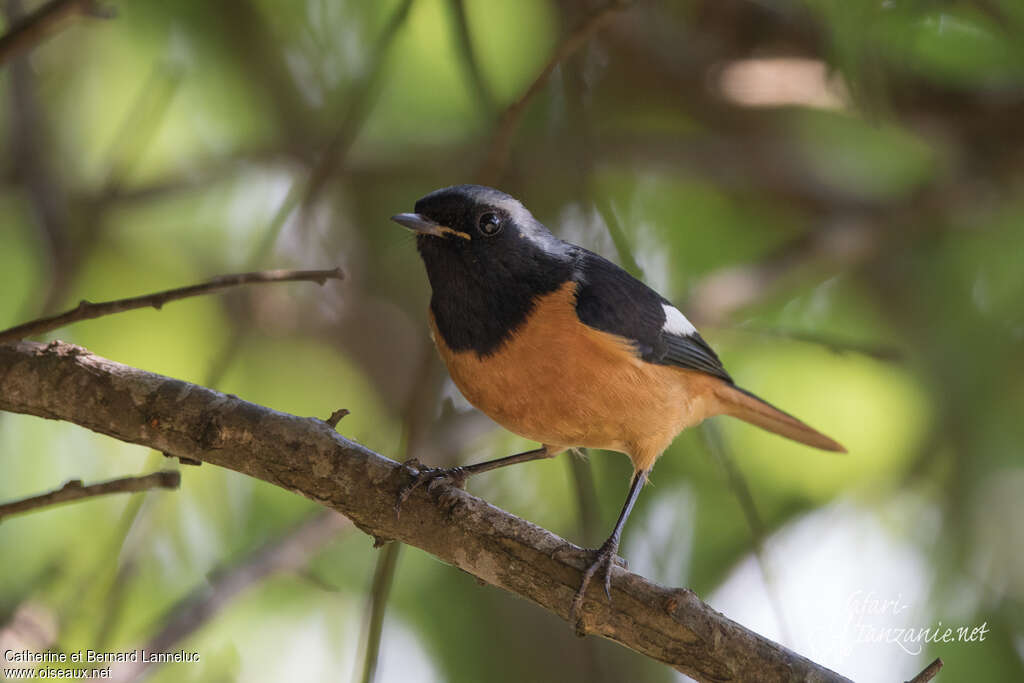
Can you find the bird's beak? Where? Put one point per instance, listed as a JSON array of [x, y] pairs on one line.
[[423, 225]]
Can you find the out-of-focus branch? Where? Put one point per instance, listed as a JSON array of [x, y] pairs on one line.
[[74, 491], [131, 141], [32, 29], [87, 310], [383, 578], [501, 143], [66, 382], [30, 141], [304, 191], [737, 481], [359, 103], [302, 195], [290, 552], [417, 414], [464, 43]]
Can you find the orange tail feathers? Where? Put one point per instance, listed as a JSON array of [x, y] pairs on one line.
[[744, 405]]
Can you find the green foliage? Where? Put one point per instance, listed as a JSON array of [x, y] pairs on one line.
[[855, 263]]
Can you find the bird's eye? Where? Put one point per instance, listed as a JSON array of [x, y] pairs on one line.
[[489, 224]]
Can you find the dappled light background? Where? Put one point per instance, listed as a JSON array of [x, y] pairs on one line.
[[831, 190]]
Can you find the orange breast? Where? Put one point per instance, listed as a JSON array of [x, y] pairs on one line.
[[564, 384]]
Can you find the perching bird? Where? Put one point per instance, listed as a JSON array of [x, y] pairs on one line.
[[563, 347]]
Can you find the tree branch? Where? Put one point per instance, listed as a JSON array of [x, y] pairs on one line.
[[74, 490], [65, 382], [87, 310], [35, 27], [501, 143]]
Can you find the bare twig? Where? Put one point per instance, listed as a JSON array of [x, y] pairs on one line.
[[290, 552], [36, 26], [929, 672], [74, 491], [501, 143], [336, 416], [66, 382], [87, 310]]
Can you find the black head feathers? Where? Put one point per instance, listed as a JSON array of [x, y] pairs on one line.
[[487, 259]]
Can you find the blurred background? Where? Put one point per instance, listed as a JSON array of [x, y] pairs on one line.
[[832, 190]]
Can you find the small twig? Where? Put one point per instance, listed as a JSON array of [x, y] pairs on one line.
[[37, 25], [497, 158], [87, 310], [74, 490], [929, 672], [336, 416]]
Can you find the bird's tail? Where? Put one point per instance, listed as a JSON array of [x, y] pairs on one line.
[[749, 408]]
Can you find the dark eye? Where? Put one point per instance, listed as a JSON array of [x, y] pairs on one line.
[[489, 224]]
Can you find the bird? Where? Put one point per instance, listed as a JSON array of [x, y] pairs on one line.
[[563, 347]]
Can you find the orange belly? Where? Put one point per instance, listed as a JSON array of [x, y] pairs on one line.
[[564, 384]]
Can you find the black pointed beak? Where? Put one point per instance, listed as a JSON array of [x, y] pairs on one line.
[[423, 225], [418, 223]]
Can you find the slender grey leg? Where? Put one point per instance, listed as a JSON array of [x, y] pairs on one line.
[[604, 557], [458, 475]]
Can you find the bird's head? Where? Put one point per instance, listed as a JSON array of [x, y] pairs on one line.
[[479, 233]]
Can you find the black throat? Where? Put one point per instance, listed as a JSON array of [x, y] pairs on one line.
[[477, 306]]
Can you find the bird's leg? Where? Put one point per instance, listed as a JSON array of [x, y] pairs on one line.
[[604, 557], [457, 475]]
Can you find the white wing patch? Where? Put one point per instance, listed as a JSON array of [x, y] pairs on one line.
[[676, 323]]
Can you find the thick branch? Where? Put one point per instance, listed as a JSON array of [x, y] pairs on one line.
[[74, 490], [64, 382], [87, 310]]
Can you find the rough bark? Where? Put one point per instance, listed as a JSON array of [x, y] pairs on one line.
[[64, 382]]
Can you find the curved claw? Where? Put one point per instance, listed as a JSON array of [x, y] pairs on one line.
[[608, 578], [431, 476], [605, 558]]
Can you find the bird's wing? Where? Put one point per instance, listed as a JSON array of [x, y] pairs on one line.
[[611, 300]]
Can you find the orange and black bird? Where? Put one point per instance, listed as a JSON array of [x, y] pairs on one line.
[[563, 347]]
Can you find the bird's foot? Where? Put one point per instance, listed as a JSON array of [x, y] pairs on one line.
[[605, 558], [429, 476]]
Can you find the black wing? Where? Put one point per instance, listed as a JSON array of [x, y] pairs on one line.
[[611, 300]]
